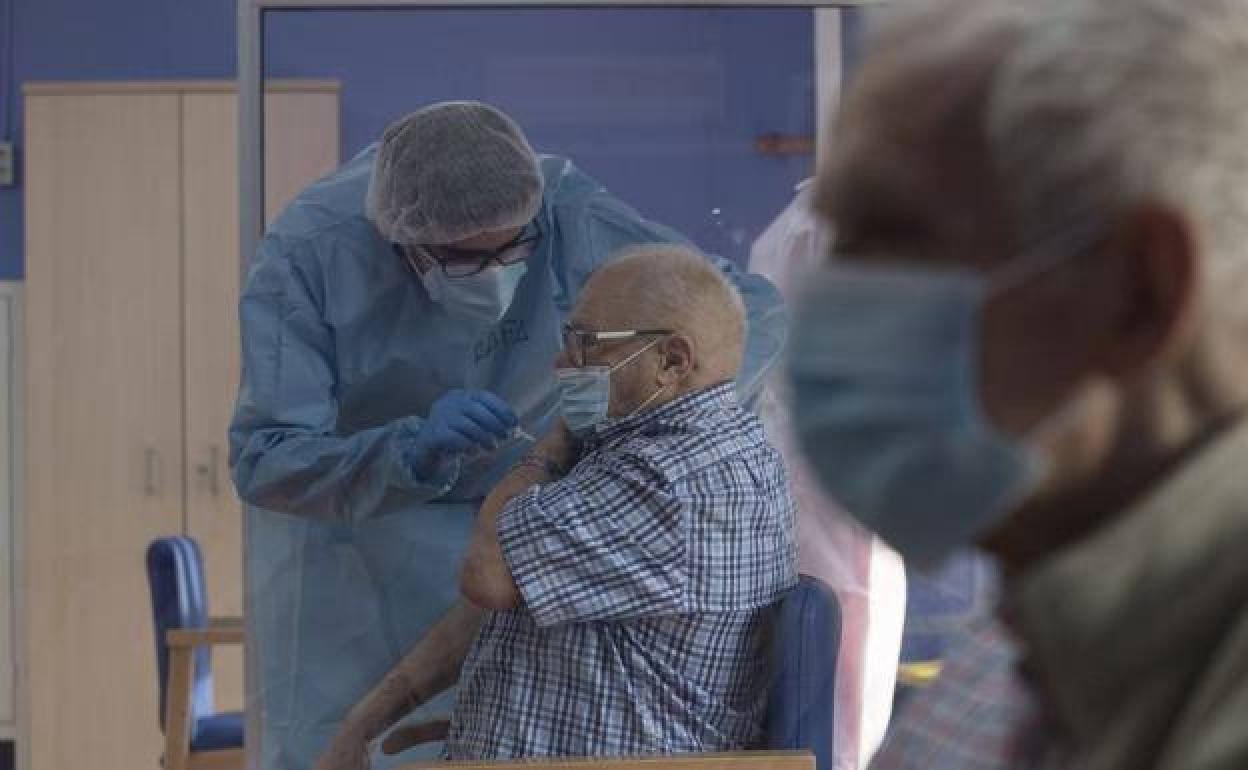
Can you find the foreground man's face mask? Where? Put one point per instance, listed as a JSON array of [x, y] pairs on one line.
[[884, 367]]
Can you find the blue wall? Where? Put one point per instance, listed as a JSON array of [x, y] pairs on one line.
[[661, 104]]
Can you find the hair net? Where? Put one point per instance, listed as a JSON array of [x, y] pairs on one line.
[[452, 171]]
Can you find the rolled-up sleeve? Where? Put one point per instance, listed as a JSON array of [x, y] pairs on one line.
[[601, 544]]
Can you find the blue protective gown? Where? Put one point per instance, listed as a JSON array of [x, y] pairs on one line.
[[349, 557]]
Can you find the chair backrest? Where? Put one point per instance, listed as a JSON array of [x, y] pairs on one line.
[[175, 575], [804, 644]]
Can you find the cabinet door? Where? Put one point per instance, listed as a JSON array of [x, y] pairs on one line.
[[104, 396], [9, 405], [304, 127]]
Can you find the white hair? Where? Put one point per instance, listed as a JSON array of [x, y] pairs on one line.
[[683, 284], [671, 286], [1106, 104]]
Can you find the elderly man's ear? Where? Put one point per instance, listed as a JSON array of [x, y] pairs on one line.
[[1159, 282], [677, 362]]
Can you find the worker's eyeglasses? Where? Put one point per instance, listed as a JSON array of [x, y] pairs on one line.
[[579, 341], [462, 263]]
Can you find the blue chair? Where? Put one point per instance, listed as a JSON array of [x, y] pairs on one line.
[[805, 644], [196, 737]]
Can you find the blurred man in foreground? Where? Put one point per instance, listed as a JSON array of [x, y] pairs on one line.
[[1033, 338]]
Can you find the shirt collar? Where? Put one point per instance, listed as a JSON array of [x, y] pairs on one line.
[[1116, 626], [677, 411]]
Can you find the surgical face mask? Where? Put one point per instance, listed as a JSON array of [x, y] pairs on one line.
[[481, 298], [585, 394], [884, 370]]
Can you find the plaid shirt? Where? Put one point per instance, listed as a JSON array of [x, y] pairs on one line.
[[646, 575], [979, 714]]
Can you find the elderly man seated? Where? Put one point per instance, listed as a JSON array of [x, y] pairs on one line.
[[626, 565]]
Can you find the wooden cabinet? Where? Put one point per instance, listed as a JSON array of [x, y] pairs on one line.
[[132, 271]]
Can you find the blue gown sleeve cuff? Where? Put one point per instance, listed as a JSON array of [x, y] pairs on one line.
[[428, 486]]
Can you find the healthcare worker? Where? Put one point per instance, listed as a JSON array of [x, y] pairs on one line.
[[399, 324]]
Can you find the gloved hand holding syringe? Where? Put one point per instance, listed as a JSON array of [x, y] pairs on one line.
[[464, 423]]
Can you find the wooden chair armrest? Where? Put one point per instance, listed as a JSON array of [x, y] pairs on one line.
[[182, 644], [198, 637], [226, 622], [740, 760]]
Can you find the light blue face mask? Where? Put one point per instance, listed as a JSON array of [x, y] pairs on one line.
[[884, 369], [482, 298], [585, 393]]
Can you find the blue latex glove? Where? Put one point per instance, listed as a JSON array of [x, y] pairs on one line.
[[460, 422]]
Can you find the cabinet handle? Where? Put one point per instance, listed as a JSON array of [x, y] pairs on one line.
[[210, 471], [151, 472]]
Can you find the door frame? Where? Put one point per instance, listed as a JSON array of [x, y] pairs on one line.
[[13, 555]]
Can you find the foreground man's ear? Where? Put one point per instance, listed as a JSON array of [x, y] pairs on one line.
[[1160, 281]]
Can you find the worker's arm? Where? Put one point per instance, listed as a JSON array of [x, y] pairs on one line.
[[486, 579], [285, 451], [430, 667]]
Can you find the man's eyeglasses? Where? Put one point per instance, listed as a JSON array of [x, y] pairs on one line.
[[463, 263], [578, 341]]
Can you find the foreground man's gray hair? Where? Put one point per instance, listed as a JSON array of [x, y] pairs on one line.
[[1111, 104], [1100, 106]]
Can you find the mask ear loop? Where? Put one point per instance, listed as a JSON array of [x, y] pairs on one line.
[[648, 401], [656, 393], [1040, 259]]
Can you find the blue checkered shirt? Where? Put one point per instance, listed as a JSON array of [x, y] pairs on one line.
[[646, 576]]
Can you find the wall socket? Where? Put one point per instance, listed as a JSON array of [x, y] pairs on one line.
[[6, 164]]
